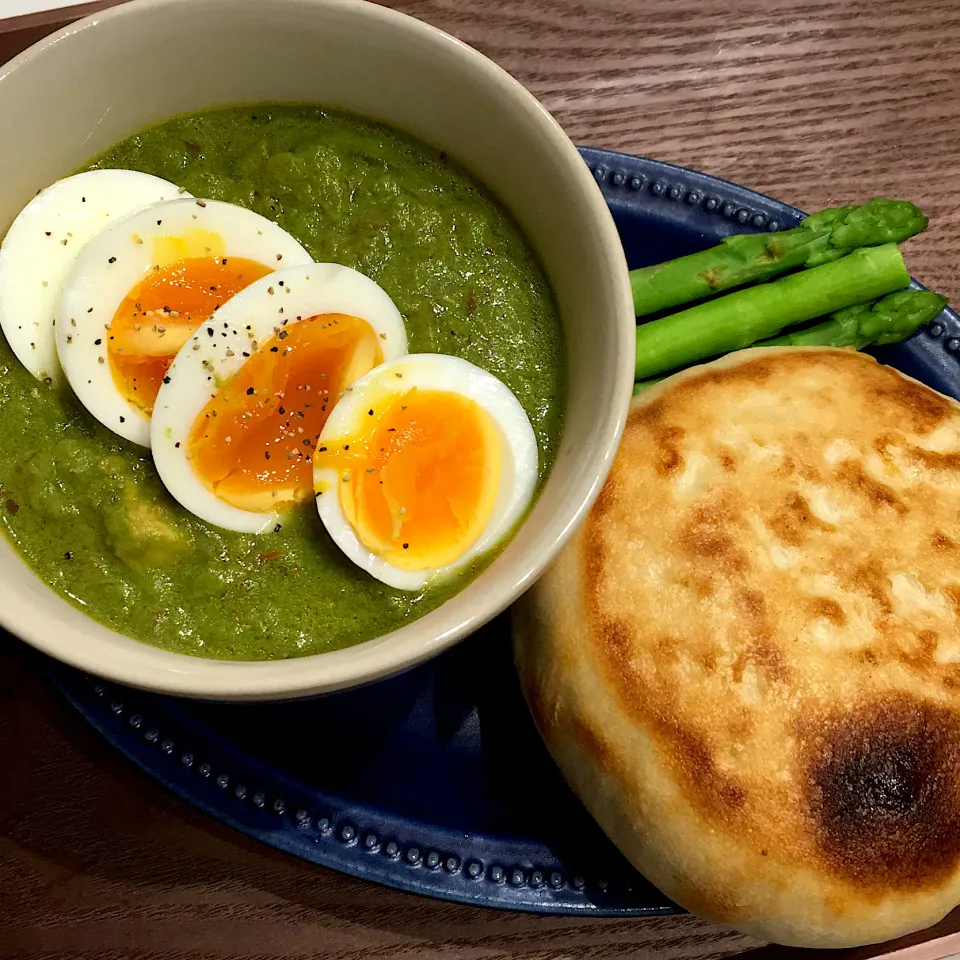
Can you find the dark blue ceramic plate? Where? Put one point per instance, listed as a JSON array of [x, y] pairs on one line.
[[436, 781]]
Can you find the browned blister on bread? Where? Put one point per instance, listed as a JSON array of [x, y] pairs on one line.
[[747, 661]]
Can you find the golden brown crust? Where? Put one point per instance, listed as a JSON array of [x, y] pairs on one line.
[[748, 660]]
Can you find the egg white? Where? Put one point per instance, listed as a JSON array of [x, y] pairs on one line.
[[43, 243], [119, 258], [241, 326], [431, 371]]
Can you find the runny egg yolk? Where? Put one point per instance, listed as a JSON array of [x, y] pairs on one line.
[[253, 443], [161, 313], [419, 483]]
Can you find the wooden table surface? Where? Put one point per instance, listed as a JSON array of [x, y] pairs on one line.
[[812, 101]]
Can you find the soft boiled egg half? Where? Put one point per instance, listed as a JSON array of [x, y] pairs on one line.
[[142, 286], [236, 420], [39, 251], [426, 463]]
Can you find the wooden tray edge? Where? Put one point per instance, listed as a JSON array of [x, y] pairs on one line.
[[18, 33]]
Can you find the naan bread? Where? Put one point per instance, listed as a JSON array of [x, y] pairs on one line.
[[747, 661]]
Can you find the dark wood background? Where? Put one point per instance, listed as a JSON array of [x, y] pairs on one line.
[[813, 101]]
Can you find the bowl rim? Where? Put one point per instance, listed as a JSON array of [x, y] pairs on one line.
[[163, 671]]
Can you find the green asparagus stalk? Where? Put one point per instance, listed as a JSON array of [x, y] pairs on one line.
[[890, 320], [746, 316], [750, 258]]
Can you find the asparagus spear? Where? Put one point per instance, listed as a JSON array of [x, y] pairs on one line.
[[749, 258], [890, 320], [642, 385], [746, 316]]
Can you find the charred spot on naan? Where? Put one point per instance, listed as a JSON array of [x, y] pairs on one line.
[[759, 646], [878, 496], [717, 792], [933, 460], [707, 536], [827, 609], [793, 520], [940, 541], [925, 408], [882, 790], [665, 436]]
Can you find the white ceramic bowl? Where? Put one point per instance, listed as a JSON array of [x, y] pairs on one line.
[[103, 78]]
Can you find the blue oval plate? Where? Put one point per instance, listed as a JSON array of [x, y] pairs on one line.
[[436, 781]]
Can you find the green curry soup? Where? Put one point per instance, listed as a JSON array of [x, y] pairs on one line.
[[88, 511]]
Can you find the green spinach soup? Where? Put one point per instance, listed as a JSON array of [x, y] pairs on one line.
[[87, 509]]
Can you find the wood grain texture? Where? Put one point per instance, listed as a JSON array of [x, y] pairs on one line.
[[815, 103], [812, 101]]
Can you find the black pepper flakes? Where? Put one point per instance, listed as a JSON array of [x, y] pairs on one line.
[[250, 391], [68, 555], [112, 260], [177, 445], [266, 454], [166, 379], [209, 331]]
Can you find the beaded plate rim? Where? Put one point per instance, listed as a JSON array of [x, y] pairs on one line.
[[455, 869], [622, 176], [245, 793]]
